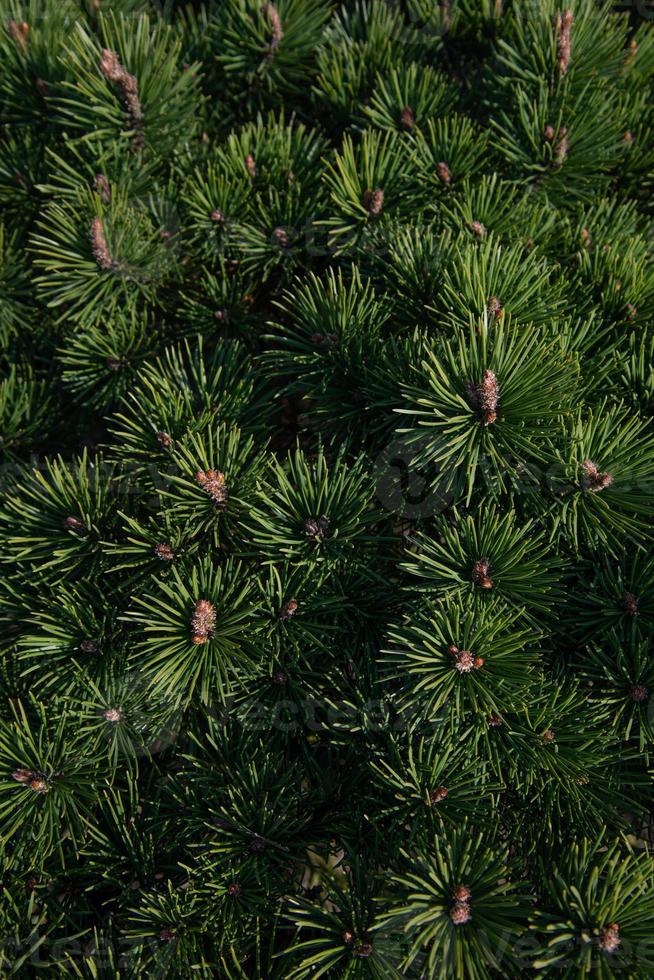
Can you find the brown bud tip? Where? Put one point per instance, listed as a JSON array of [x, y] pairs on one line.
[[477, 229], [280, 238], [443, 173], [115, 364], [270, 11], [639, 693], [549, 736], [461, 893], [592, 479], [218, 217], [250, 166], [630, 603], [478, 662], [363, 950], [99, 246], [480, 575], [103, 188], [632, 312], [74, 524], [213, 483], [114, 715], [348, 937], [464, 661], [19, 33], [316, 527], [550, 133], [373, 201], [38, 784], [563, 26], [460, 913], [452, 650], [288, 610], [88, 646], [585, 237], [165, 440], [495, 308], [234, 889], [609, 938], [438, 795], [628, 137], [407, 118], [164, 551], [166, 934], [279, 678], [222, 316], [22, 775], [494, 720], [203, 621]]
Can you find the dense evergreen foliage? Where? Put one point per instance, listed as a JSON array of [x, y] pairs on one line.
[[327, 582]]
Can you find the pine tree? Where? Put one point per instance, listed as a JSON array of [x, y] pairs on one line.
[[327, 583]]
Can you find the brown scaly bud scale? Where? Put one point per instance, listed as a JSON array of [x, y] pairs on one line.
[[88, 646], [99, 246], [113, 715], [316, 527], [203, 621], [250, 166], [373, 201], [114, 72], [484, 397], [213, 483], [443, 173], [639, 693], [270, 11], [609, 938], [592, 479], [477, 229], [163, 551], [563, 26], [19, 33], [460, 913], [280, 238], [480, 573], [407, 118], [438, 795], [288, 610], [103, 188], [74, 524], [630, 603]]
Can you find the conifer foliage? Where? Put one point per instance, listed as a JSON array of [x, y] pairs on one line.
[[326, 571]]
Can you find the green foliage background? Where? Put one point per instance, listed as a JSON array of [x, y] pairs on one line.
[[334, 318]]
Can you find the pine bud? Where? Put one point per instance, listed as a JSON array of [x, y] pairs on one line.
[[165, 440], [407, 118], [218, 217], [477, 229], [164, 551], [592, 479], [464, 661], [460, 913], [639, 693], [114, 72], [630, 603], [222, 316], [494, 720], [288, 610], [280, 238], [495, 308], [250, 166], [478, 662], [628, 137], [113, 715], [549, 736], [632, 50], [270, 11], [279, 678], [480, 574], [484, 397], [74, 524], [609, 938], [234, 889], [22, 775], [461, 893], [550, 133], [19, 33], [39, 784], [203, 621], [373, 201], [363, 950], [99, 246], [348, 937], [88, 646], [316, 528], [115, 364], [103, 187], [585, 238], [213, 483], [165, 935], [563, 25], [438, 795], [443, 173]]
